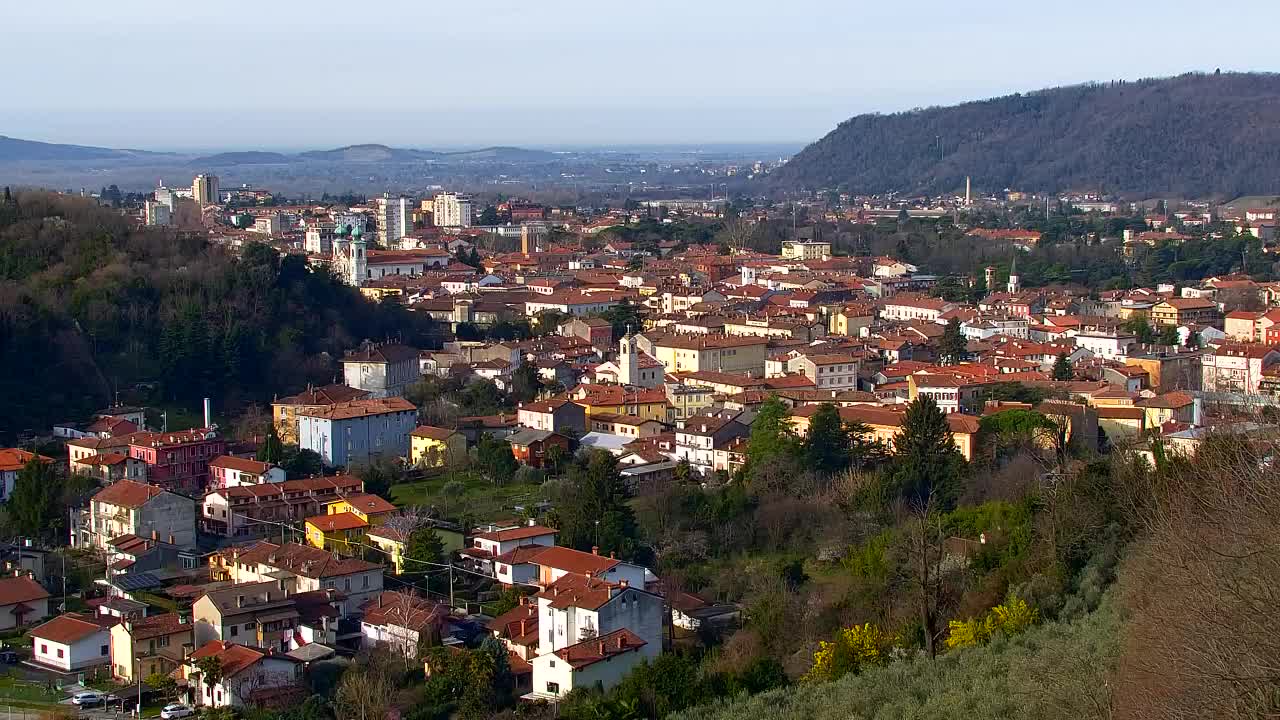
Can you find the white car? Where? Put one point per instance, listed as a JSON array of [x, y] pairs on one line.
[[87, 698], [175, 710]]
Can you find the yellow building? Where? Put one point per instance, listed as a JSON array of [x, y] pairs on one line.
[[436, 447], [645, 403], [346, 522], [1175, 312], [721, 353]]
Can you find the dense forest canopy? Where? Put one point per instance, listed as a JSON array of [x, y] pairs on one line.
[[1192, 135], [90, 306]]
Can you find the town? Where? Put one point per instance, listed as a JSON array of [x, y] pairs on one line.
[[525, 503]]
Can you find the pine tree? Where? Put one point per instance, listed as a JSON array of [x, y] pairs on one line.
[[826, 446], [591, 507], [771, 434], [272, 450], [1062, 368], [926, 461], [952, 347], [33, 509], [1169, 336], [425, 546]]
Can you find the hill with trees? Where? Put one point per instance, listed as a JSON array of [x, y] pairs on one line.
[[90, 305], [1193, 135]]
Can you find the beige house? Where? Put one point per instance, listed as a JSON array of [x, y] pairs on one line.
[[22, 601], [133, 508], [721, 353], [257, 614], [155, 644]]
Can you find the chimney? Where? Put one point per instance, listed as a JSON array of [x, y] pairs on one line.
[[612, 555], [155, 534], [532, 522], [379, 599], [622, 642], [595, 549], [624, 582], [601, 645], [208, 413], [239, 601], [522, 629], [171, 542]]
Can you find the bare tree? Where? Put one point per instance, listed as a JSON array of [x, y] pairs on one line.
[[922, 550], [367, 690]]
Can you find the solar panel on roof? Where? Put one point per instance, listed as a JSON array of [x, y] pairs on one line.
[[136, 581]]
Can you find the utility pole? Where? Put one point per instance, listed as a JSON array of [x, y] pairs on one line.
[[451, 600]]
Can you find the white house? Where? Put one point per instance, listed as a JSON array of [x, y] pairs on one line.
[[401, 621], [355, 431], [249, 676], [71, 642], [307, 569], [1106, 345], [22, 602], [381, 370], [229, 471], [127, 507], [602, 661]]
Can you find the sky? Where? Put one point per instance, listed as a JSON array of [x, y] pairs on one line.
[[303, 74]]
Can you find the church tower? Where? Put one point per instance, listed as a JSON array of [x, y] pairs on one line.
[[358, 259], [1015, 282], [628, 360]]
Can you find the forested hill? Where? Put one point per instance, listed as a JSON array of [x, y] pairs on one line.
[[1193, 136], [90, 305]]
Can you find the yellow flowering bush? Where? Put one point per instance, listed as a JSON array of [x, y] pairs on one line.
[[1011, 618], [852, 649]]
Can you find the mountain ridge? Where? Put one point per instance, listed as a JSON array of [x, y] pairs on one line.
[[1193, 135]]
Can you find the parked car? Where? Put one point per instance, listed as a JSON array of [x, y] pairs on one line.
[[175, 710], [88, 698]]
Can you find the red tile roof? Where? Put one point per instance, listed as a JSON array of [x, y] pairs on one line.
[[589, 652], [243, 465], [361, 408], [127, 493], [157, 625], [574, 561], [336, 522], [12, 459], [66, 629], [523, 532]]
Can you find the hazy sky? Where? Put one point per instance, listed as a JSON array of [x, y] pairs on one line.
[[432, 73]]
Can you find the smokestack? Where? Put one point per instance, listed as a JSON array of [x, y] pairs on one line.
[[208, 413]]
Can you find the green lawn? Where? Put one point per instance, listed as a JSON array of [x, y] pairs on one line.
[[12, 688], [480, 499]]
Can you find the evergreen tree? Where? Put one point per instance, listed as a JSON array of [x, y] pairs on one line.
[[1062, 368], [1194, 340], [524, 383], [926, 461], [771, 433], [826, 446], [271, 450], [425, 546], [1169, 336], [33, 507], [591, 507], [494, 458], [952, 347]]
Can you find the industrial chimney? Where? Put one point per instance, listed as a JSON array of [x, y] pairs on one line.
[[208, 413]]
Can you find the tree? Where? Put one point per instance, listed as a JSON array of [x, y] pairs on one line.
[[1062, 368], [771, 433], [164, 685], [488, 216], [1194, 340], [299, 463], [952, 347], [33, 507], [272, 450], [424, 546], [1141, 329], [591, 507], [1169, 336], [367, 690], [524, 383], [926, 464], [450, 490], [210, 667], [826, 446], [622, 317], [853, 649], [494, 458], [379, 475]]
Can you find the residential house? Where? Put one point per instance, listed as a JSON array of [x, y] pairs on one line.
[[488, 545], [838, 371], [698, 437], [648, 403], [1171, 407], [111, 467], [132, 508], [229, 471], [260, 614], [1122, 423], [531, 447], [12, 461], [885, 423], [307, 569], [401, 621], [70, 643], [342, 528], [1236, 367], [22, 601], [556, 415], [594, 330], [248, 677], [687, 400], [436, 447], [951, 392], [385, 370], [177, 460], [1180, 311], [255, 510], [394, 542], [631, 427], [722, 353], [357, 431], [142, 647], [284, 411]]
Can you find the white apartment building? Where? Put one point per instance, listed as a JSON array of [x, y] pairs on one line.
[[395, 219], [451, 210], [158, 214], [1106, 345], [205, 190]]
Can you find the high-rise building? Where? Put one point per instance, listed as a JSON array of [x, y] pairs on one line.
[[452, 210], [204, 189], [395, 218], [158, 214]]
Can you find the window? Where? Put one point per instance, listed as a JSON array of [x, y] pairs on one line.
[[60, 653], [553, 663], [250, 625], [104, 650], [553, 688], [366, 582], [162, 641], [235, 630], [44, 649]]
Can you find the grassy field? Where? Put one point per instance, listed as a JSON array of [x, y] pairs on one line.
[[480, 499], [12, 688]]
